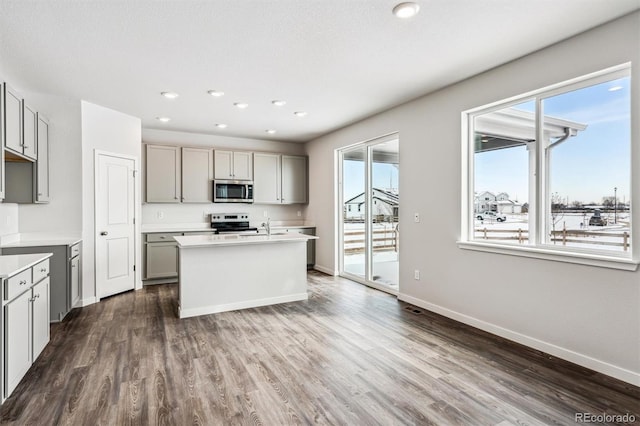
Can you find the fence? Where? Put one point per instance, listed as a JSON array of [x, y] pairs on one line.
[[383, 240], [563, 236]]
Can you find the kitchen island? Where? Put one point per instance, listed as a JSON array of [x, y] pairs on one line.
[[218, 273]]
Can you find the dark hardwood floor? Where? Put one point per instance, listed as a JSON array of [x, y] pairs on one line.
[[349, 355]]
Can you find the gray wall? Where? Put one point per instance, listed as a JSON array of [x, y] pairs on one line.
[[585, 314]]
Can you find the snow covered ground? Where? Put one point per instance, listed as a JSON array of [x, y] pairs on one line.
[[576, 225]]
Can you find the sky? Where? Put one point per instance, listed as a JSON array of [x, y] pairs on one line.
[[584, 168], [383, 174]]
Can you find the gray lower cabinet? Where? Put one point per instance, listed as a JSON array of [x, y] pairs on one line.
[[26, 322], [65, 278], [161, 255]]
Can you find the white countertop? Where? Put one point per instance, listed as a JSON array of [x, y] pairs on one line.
[[34, 239], [238, 239], [12, 264]]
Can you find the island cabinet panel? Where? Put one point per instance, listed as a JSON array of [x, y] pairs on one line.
[[163, 174], [197, 175], [234, 165], [266, 184]]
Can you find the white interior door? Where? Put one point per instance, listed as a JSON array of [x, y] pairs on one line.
[[115, 229]]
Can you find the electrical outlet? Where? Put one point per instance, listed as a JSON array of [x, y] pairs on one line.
[[416, 218], [206, 214], [299, 213], [160, 215], [416, 274], [265, 213]]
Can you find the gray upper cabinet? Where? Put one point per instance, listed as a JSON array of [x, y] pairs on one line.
[[163, 174], [12, 120], [280, 179], [197, 173], [235, 165], [42, 191], [266, 171], [29, 132], [294, 179], [2, 135]]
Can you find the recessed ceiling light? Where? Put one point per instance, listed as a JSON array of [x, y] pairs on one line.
[[270, 131], [279, 103], [300, 113], [163, 119], [169, 95], [221, 126], [241, 105], [406, 10], [215, 93], [615, 88]]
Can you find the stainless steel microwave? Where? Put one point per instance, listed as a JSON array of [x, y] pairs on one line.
[[232, 191]]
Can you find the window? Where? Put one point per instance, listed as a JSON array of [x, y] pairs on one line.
[[560, 161]]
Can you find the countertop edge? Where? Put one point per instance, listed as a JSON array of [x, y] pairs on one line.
[[42, 256]]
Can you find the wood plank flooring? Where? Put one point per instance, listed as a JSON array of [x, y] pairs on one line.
[[350, 355]]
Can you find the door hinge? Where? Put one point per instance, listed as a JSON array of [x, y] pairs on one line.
[[134, 220], [134, 173], [134, 268]]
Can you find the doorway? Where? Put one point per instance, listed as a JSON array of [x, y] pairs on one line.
[[369, 203]]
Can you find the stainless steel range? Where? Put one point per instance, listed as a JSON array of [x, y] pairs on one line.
[[231, 223]]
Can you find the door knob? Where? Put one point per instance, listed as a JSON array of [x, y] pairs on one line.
[[104, 233]]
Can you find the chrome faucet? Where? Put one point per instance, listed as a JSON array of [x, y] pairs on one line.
[[267, 226]]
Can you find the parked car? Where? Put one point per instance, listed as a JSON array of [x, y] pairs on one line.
[[597, 219], [491, 215]]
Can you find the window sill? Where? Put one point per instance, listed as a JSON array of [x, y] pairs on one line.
[[603, 261]]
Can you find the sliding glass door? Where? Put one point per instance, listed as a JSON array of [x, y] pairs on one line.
[[369, 204]]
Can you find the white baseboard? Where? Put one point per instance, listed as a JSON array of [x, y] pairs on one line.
[[214, 309], [325, 270], [88, 301], [557, 351]]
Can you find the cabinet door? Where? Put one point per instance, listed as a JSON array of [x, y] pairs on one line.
[[13, 120], [29, 131], [197, 173], [75, 281], [42, 165], [223, 164], [2, 144], [266, 185], [17, 340], [162, 260], [243, 165], [294, 179], [40, 297], [163, 174]]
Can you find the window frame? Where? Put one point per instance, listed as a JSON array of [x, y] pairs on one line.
[[538, 246]]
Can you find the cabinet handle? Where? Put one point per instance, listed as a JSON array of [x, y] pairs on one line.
[[37, 296], [103, 233], [39, 194], [177, 198], [73, 266], [43, 270], [163, 237], [23, 282], [25, 146]]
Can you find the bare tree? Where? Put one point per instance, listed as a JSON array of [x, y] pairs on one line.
[[608, 202], [576, 204]]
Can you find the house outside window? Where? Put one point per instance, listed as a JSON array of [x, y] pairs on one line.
[[562, 152]]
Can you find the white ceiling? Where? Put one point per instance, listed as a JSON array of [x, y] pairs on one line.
[[339, 60]]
